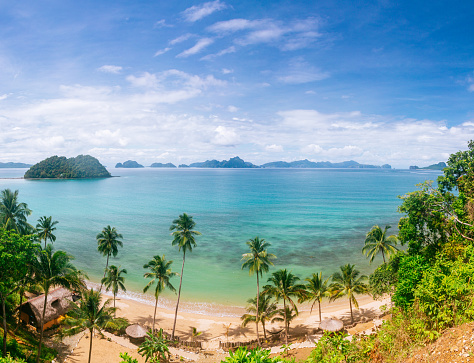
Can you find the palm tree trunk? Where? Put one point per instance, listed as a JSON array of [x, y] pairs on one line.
[[179, 295], [319, 303], [383, 255], [264, 331], [154, 315], [90, 345], [42, 325], [4, 347], [350, 306], [105, 271], [258, 307], [114, 307], [286, 323], [19, 306]]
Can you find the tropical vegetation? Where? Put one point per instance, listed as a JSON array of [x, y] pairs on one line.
[[114, 280], [108, 242]]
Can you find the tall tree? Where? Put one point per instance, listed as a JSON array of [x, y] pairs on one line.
[[160, 272], [267, 310], [108, 242], [348, 282], [184, 237], [55, 269], [377, 241], [316, 289], [89, 314], [45, 229], [13, 214], [284, 286], [114, 281], [16, 257], [257, 261]]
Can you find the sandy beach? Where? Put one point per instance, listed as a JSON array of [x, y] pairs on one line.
[[213, 329]]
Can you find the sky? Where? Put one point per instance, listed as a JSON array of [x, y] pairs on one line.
[[185, 81]]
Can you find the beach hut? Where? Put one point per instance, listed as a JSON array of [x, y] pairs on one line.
[[136, 332], [332, 325], [57, 305]]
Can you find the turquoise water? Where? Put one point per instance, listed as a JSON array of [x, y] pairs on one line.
[[315, 219]]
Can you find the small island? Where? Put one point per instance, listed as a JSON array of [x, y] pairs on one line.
[[11, 165], [129, 164], [235, 162], [59, 167], [161, 165], [306, 164], [438, 166]]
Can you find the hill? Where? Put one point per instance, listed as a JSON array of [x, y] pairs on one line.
[[439, 166], [235, 162], [59, 167], [129, 164], [161, 165], [321, 164], [14, 165]]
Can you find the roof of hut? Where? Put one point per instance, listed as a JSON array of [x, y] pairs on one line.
[[136, 331], [331, 325], [58, 304]]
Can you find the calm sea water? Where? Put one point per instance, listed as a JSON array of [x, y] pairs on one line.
[[315, 219]]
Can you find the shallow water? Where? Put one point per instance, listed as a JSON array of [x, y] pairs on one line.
[[315, 219]]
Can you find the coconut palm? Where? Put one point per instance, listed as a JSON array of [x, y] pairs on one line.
[[13, 214], [267, 310], [316, 289], [257, 261], [113, 281], [286, 315], [377, 241], [284, 286], [55, 269], [348, 282], [155, 348], [45, 229], [89, 314], [160, 272], [183, 236], [108, 242]]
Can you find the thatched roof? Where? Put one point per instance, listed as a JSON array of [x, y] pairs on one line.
[[136, 331], [331, 325], [58, 304]]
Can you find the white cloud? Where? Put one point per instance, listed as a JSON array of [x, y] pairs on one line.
[[274, 148], [225, 136], [227, 71], [301, 72], [162, 24], [162, 51], [110, 69], [181, 38], [232, 108], [233, 25], [146, 80], [228, 50], [3, 97], [199, 46], [197, 12], [471, 87]]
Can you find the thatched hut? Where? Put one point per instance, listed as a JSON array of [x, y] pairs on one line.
[[332, 325], [57, 305], [136, 333]]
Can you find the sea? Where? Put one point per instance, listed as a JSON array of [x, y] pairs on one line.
[[315, 220]]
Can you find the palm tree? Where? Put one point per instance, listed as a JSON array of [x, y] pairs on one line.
[[316, 289], [257, 261], [108, 242], [183, 236], [55, 269], [45, 229], [285, 315], [155, 347], [161, 274], [89, 314], [377, 241], [267, 310], [285, 287], [13, 214], [113, 281], [348, 283]]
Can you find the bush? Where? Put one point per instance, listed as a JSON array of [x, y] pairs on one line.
[[127, 359], [257, 355], [410, 273], [9, 359], [117, 326]]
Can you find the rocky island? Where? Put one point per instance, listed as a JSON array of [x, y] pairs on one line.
[[130, 164]]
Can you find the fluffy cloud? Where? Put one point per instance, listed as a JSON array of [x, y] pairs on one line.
[[274, 148], [110, 69], [225, 136], [197, 12]]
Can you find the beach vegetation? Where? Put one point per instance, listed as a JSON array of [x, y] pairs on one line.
[[184, 237], [160, 273], [90, 314], [117, 326], [377, 242], [13, 214], [267, 310], [348, 282], [54, 268], [155, 347], [257, 261], [285, 286], [126, 358], [316, 289], [45, 228], [257, 355], [114, 280], [108, 242]]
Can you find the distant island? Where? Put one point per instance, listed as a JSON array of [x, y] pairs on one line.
[[59, 167], [14, 165], [322, 164], [129, 164], [439, 166], [161, 165], [235, 162]]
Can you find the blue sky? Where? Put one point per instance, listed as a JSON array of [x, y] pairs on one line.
[[185, 81]]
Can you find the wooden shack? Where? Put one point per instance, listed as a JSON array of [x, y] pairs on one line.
[[57, 305]]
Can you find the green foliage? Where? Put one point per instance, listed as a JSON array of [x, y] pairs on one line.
[[59, 167], [385, 278], [155, 347], [117, 326], [9, 359], [377, 241], [126, 358], [243, 355], [334, 348], [13, 214], [410, 272]]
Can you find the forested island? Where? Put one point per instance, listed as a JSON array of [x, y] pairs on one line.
[[130, 164], [439, 166], [161, 165], [60, 167], [14, 165], [322, 164]]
